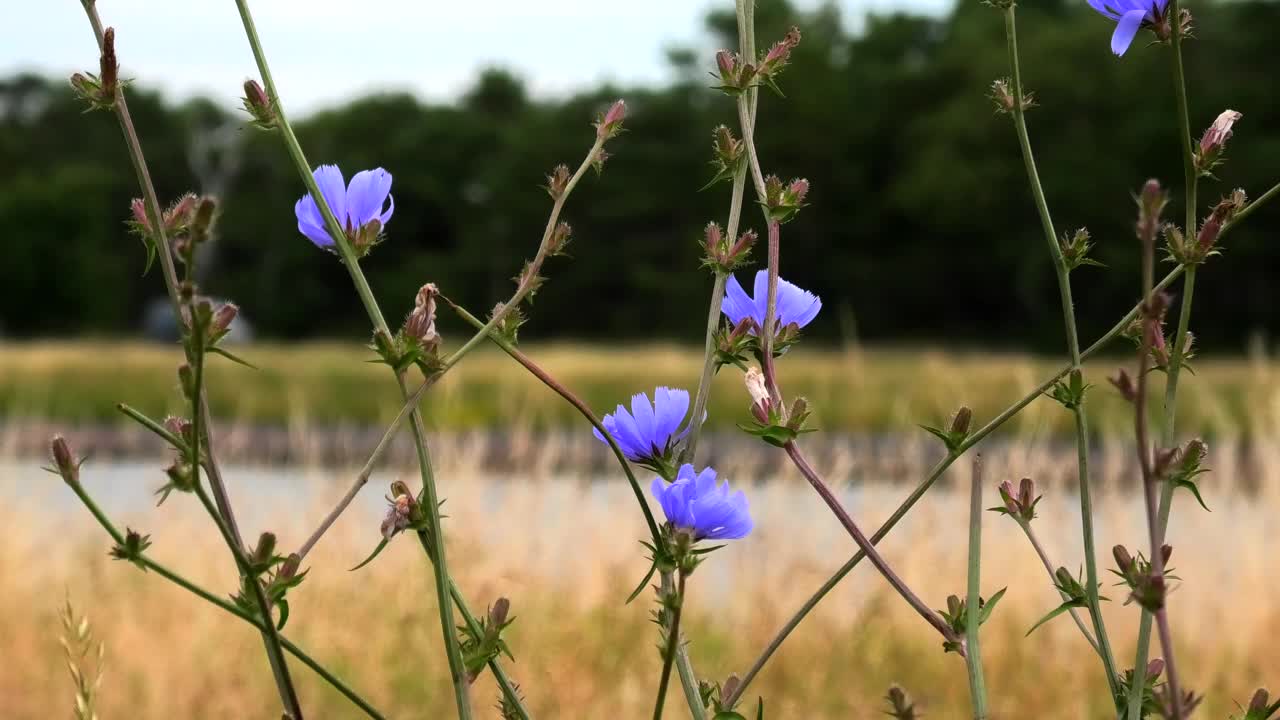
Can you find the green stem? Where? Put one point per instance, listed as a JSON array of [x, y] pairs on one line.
[[1073, 346], [505, 683], [213, 599], [1191, 179], [429, 497], [269, 631], [708, 366], [669, 654], [973, 611], [684, 665], [1048, 566], [924, 487]]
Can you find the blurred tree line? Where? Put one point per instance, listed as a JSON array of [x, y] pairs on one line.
[[921, 226]]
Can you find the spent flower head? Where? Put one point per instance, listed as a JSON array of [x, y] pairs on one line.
[[358, 207], [694, 503], [1214, 141], [649, 433]]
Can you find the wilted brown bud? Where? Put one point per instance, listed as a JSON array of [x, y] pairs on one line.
[[202, 219], [559, 238], [1166, 552], [1124, 560], [109, 66], [1215, 138], [64, 460], [265, 550], [1222, 214], [558, 180], [421, 321], [727, 689], [1259, 701], [289, 567], [399, 513], [498, 613], [1002, 96], [960, 423], [1124, 384], [761, 402]]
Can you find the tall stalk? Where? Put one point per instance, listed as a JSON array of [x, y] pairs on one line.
[[1063, 272], [429, 500], [1168, 438], [973, 610]]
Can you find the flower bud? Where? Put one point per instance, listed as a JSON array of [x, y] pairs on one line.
[[610, 123], [421, 321], [559, 238], [258, 105], [1155, 668], [202, 219], [714, 241], [780, 53], [1002, 95], [1214, 140], [1151, 202], [139, 210], [558, 180], [1124, 560], [728, 149], [180, 214], [1259, 702], [761, 402], [289, 567], [187, 381], [265, 549], [1166, 552], [1222, 213], [960, 423], [64, 460], [498, 613], [727, 64], [109, 75]]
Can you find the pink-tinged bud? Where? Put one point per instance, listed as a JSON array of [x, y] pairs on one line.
[[498, 613], [258, 105], [180, 215], [1010, 501], [1155, 668], [742, 246], [761, 403], [1222, 213], [222, 319], [1151, 202], [778, 55], [1259, 701], [139, 210], [610, 123], [714, 241], [798, 189], [559, 238], [177, 426], [64, 460], [727, 64], [1156, 341], [1216, 136]]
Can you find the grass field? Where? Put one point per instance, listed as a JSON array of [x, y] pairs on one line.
[[851, 391], [566, 554]]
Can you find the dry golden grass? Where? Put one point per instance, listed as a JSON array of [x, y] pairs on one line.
[[863, 390], [566, 553]]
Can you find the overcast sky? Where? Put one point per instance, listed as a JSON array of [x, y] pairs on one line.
[[325, 51]]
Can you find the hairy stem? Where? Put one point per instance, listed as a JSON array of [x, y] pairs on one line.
[[669, 654], [977, 436], [973, 657], [708, 367], [1063, 273], [429, 497]]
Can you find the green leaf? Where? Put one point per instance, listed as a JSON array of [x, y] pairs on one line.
[[643, 583], [1064, 607], [284, 613], [372, 555], [233, 358], [990, 606], [1194, 491]]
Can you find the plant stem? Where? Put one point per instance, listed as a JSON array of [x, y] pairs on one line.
[[931, 617], [1063, 273], [1191, 179], [669, 654], [1048, 566], [270, 632], [505, 684], [920, 490], [973, 611], [708, 366], [213, 599], [429, 497], [684, 666]]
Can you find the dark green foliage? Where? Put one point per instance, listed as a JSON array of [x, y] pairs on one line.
[[919, 221]]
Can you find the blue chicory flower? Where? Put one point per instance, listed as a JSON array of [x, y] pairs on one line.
[[1130, 16], [795, 305], [649, 433], [696, 504], [355, 205]]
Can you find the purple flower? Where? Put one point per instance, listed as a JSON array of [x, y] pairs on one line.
[[794, 304], [1130, 16], [355, 205], [695, 503], [649, 432]]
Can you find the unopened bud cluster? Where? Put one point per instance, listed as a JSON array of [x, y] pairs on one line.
[[1147, 588], [1184, 251], [725, 254], [1002, 96], [783, 201], [1020, 504], [737, 74], [259, 106]]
